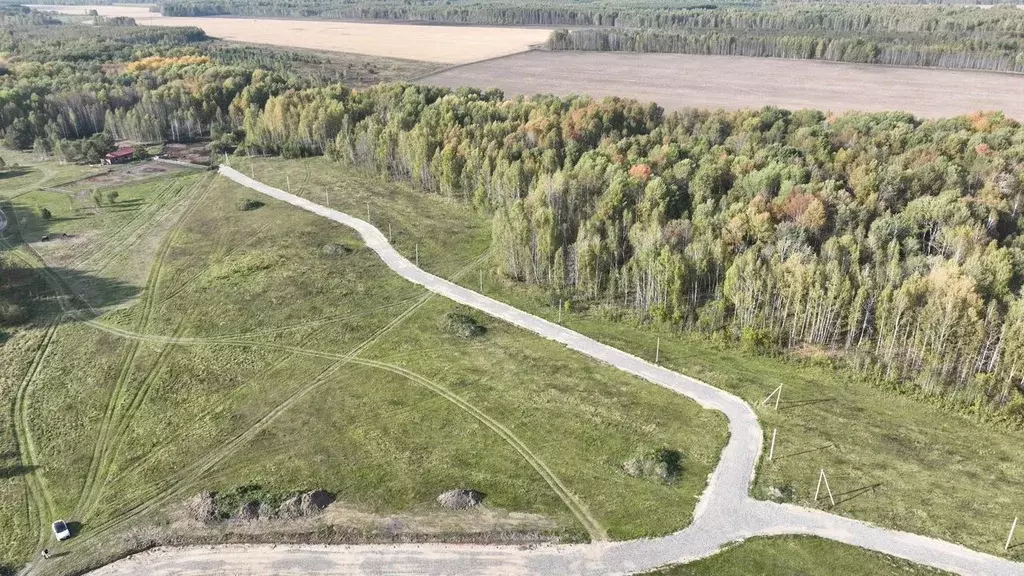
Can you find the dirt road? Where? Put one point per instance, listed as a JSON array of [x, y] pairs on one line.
[[725, 513]]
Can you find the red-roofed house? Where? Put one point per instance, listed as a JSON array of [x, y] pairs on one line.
[[118, 156]]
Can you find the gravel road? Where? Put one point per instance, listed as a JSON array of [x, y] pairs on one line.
[[725, 513]]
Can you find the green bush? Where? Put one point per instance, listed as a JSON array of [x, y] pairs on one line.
[[249, 204], [12, 314], [45, 214], [229, 501], [462, 325], [662, 464]]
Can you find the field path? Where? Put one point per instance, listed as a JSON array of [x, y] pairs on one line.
[[726, 513]]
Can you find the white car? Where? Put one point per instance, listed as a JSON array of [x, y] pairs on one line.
[[61, 530]]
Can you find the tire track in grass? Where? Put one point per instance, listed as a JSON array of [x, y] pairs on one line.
[[38, 494], [101, 451], [188, 281], [190, 476], [233, 341], [207, 464], [575, 506], [122, 424], [578, 509], [124, 233], [142, 230], [185, 481], [114, 239]]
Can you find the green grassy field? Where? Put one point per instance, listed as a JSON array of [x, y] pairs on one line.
[[796, 555], [207, 348], [890, 459]]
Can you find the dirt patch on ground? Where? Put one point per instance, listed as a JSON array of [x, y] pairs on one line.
[[316, 517], [195, 153], [123, 174], [461, 499], [679, 80]]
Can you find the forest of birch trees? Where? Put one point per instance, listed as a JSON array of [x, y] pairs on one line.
[[887, 242]]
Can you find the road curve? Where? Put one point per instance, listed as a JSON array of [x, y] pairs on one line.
[[725, 513]]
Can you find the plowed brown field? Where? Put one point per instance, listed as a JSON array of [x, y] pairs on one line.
[[680, 80]]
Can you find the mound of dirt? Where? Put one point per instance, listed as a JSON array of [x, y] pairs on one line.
[[202, 507], [461, 499], [306, 504], [291, 508], [251, 511], [315, 501], [335, 249]]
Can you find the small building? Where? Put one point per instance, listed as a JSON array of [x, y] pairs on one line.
[[118, 156]]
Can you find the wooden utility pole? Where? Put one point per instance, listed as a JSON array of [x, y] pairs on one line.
[[657, 351], [417, 255], [771, 451]]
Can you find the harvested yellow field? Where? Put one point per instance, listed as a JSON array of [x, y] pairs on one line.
[[444, 44]]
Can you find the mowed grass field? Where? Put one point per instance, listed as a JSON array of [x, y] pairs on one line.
[[181, 344], [430, 43], [893, 460], [676, 81]]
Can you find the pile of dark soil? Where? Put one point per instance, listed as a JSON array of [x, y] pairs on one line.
[[302, 505]]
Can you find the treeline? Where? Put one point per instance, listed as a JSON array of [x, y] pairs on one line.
[[889, 242], [967, 53], [65, 88], [933, 36], [867, 17], [960, 37]]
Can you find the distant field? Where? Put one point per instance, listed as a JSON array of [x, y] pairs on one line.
[[445, 44], [680, 80]]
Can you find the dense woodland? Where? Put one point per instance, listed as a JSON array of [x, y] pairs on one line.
[[945, 36], [1000, 55], [933, 36], [890, 243]]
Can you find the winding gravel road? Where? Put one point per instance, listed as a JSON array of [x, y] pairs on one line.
[[725, 513]]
